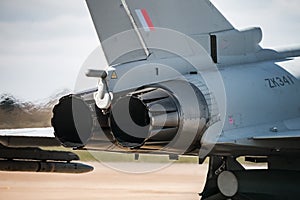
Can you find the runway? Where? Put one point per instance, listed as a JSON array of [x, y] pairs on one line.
[[176, 182]]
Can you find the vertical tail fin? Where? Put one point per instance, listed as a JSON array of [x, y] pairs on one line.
[[198, 19]]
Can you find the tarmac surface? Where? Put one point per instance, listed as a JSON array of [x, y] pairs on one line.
[[176, 182]]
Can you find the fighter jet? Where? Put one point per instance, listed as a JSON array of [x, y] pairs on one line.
[[181, 80]]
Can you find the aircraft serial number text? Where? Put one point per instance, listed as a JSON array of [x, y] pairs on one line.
[[279, 81]]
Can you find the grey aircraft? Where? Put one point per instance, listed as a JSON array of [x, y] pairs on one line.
[[181, 80]]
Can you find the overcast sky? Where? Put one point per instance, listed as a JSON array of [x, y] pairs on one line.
[[45, 42]]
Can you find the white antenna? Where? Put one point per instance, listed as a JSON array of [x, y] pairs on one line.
[[135, 27]]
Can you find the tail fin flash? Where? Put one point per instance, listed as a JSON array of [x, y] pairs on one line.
[[189, 17]]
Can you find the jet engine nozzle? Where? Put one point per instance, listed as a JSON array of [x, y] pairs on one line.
[[72, 121], [147, 115], [159, 115], [77, 122]]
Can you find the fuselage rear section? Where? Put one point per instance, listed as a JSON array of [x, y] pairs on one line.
[[162, 112]]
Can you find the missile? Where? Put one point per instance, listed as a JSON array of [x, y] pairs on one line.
[[40, 166]]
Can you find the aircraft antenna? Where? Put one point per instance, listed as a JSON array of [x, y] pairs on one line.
[[135, 27]]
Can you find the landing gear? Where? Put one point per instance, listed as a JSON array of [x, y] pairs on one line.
[[228, 179], [221, 183]]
